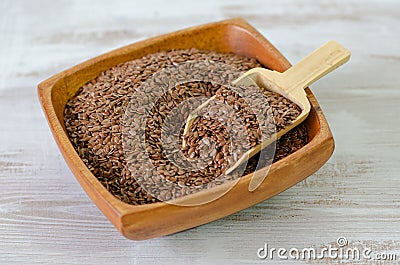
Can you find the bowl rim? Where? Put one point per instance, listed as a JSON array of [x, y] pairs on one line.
[[92, 185]]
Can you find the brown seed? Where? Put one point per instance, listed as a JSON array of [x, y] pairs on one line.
[[95, 119]]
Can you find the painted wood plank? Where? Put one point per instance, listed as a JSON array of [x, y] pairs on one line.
[[45, 217]]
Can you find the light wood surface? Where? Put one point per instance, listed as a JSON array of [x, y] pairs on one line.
[[45, 216]]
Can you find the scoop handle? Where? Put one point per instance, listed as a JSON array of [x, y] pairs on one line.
[[323, 60]]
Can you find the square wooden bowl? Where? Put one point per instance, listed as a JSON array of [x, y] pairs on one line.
[[158, 219]]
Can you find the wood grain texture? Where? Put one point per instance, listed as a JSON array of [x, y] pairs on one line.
[[46, 218]]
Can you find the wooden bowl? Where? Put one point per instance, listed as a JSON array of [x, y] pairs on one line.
[[158, 219]]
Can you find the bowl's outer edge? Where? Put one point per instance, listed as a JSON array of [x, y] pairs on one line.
[[143, 222]]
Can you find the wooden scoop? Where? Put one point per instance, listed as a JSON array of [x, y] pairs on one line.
[[289, 84]]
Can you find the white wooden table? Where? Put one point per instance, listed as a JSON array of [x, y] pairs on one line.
[[46, 218]]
